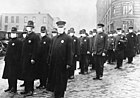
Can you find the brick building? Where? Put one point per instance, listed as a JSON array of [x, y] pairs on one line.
[[118, 13]]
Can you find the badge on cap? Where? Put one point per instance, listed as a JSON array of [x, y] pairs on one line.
[[29, 41], [62, 41], [101, 36], [44, 42], [119, 43], [132, 36], [13, 44]]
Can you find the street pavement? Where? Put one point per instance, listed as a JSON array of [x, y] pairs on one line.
[[123, 83]]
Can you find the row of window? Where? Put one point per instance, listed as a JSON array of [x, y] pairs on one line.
[[6, 27], [25, 19]]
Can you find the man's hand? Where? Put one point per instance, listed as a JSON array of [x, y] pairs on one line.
[[88, 52], [103, 54], [68, 66], [32, 61]]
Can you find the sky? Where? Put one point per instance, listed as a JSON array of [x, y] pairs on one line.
[[80, 14]]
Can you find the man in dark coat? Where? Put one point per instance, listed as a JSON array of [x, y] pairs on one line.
[[84, 52], [60, 61], [131, 45], [75, 48], [12, 67], [43, 67], [111, 47], [99, 51], [138, 41], [29, 58], [120, 45]]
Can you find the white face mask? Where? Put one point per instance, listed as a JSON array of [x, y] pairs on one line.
[[119, 32], [71, 34], [13, 35], [54, 34], [42, 34], [130, 30], [60, 30], [94, 34], [99, 30], [83, 35], [29, 29], [24, 35]]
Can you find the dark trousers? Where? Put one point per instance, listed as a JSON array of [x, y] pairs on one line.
[[99, 65], [84, 63], [119, 63], [73, 68], [110, 56], [92, 61], [130, 59], [29, 86], [59, 94], [43, 82], [12, 84]]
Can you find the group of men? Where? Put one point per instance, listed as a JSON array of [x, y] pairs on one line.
[[53, 60]]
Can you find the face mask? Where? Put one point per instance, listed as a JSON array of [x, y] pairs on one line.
[[99, 30], [29, 29], [60, 30], [71, 34], [119, 32], [94, 34], [54, 34], [90, 35], [130, 30], [13, 35], [24, 35], [83, 35], [43, 34]]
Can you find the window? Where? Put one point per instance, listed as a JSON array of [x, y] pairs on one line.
[[44, 19], [12, 19], [127, 9], [17, 19], [25, 19], [34, 19], [6, 19], [6, 27]]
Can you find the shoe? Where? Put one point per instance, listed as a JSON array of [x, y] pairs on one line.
[[24, 92], [7, 90], [116, 68], [97, 78], [22, 85], [30, 93], [13, 90]]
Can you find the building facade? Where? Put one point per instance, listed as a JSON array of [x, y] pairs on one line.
[[7, 21], [118, 13]]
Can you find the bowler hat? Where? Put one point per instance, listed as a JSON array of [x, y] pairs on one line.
[[119, 28], [130, 27], [100, 25]]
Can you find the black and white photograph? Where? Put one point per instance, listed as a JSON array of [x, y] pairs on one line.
[[70, 49]]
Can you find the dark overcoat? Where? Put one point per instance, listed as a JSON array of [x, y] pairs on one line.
[[60, 56], [12, 59], [30, 51], [131, 45], [42, 66]]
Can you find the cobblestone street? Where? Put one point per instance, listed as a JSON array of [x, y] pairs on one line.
[[124, 83]]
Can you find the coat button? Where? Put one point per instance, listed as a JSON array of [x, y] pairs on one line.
[[29, 41], [44, 42], [13, 44], [74, 40]]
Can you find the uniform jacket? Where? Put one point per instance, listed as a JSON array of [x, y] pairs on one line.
[[42, 69], [30, 51], [111, 43], [120, 45], [100, 43], [61, 55], [12, 59], [131, 44], [84, 45]]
